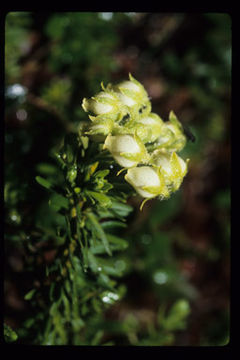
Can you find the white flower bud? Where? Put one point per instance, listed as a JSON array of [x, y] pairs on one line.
[[133, 95], [149, 127], [166, 138], [172, 166], [172, 137], [127, 100], [103, 127], [127, 150], [105, 103], [147, 181]]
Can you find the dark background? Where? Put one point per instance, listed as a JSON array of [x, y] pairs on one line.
[[178, 248]]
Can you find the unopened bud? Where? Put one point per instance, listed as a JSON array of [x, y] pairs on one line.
[[147, 181], [127, 150], [133, 95], [149, 127], [172, 166], [103, 127], [172, 137], [72, 174], [104, 103]]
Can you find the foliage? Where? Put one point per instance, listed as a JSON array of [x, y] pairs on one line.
[[81, 281], [9, 334]]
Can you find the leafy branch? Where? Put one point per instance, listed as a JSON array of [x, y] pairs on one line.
[[88, 194]]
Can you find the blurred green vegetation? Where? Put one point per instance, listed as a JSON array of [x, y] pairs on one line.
[[176, 268]]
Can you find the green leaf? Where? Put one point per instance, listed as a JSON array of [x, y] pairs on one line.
[[99, 231], [101, 173], [104, 213], [93, 262], [111, 266], [115, 244], [105, 281], [113, 224], [97, 338], [30, 294], [103, 199], [180, 309], [9, 334], [84, 140], [70, 145], [121, 209], [58, 201], [111, 270], [106, 186], [78, 324], [177, 316], [46, 169], [43, 182], [119, 243]]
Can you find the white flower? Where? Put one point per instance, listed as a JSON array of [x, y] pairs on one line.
[[149, 127], [172, 137], [147, 181], [127, 100], [103, 126], [127, 150], [172, 166], [105, 103], [132, 94], [96, 106], [137, 88]]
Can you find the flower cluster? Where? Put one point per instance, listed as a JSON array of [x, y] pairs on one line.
[[138, 139]]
